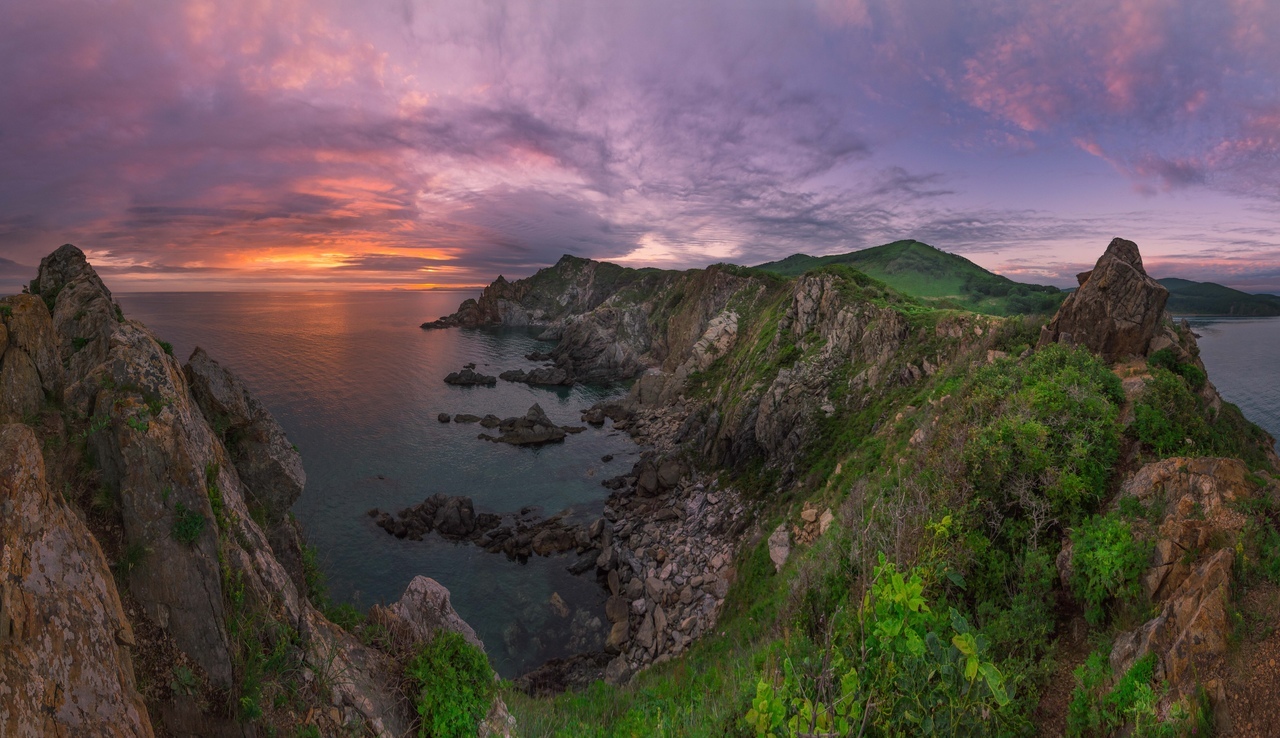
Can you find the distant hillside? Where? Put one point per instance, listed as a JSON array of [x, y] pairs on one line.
[[943, 279], [1206, 298]]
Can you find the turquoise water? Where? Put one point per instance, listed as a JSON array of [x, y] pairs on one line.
[[1242, 356], [357, 386]]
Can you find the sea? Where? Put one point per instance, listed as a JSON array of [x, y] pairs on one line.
[[357, 385]]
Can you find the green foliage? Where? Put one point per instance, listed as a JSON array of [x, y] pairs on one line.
[[6, 311], [184, 681], [132, 557], [900, 669], [943, 279], [452, 686], [78, 343], [211, 471], [1206, 298], [187, 525], [1171, 420], [1168, 360], [137, 423], [168, 347], [1107, 563], [1096, 710], [1049, 428]]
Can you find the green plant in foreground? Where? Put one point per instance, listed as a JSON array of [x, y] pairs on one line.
[[452, 686], [168, 347], [896, 674], [184, 681], [1107, 563], [187, 525], [131, 558]]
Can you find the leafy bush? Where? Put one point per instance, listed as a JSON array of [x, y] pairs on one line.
[[893, 673], [1167, 360], [168, 347], [1051, 429], [1168, 418], [187, 525], [453, 685], [1107, 563]]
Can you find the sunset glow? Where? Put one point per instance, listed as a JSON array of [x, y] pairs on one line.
[[254, 145]]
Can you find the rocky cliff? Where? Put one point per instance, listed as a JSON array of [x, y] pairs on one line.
[[186, 480]]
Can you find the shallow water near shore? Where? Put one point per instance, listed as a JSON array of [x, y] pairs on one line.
[[357, 386], [1242, 356]]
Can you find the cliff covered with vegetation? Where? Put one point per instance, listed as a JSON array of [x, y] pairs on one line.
[[961, 524]]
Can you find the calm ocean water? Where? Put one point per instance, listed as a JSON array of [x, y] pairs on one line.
[[357, 386], [1242, 356]]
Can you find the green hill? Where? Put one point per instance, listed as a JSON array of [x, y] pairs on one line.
[[1206, 298], [944, 279]]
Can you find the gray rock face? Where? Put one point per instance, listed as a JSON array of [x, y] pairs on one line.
[[533, 429], [424, 608], [158, 450], [469, 378], [64, 665], [268, 465], [1117, 310], [547, 376]]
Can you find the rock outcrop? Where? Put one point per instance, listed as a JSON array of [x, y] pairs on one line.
[[534, 428], [547, 376], [424, 611], [1189, 579], [196, 479], [1117, 310], [65, 662], [469, 377]]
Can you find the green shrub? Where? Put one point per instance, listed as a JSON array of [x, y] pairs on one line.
[[1050, 428], [1167, 360], [187, 525], [6, 311], [168, 347], [1168, 419], [78, 343], [1107, 563], [452, 686], [920, 672]]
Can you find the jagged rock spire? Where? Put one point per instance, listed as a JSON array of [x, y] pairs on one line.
[[1116, 311]]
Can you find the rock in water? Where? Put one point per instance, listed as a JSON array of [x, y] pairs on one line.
[[469, 378], [1116, 311], [534, 429]]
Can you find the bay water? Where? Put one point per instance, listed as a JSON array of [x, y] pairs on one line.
[[357, 385]]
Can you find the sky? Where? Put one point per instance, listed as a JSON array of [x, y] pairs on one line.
[[260, 145]]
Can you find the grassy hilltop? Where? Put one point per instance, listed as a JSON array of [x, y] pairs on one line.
[[943, 279]]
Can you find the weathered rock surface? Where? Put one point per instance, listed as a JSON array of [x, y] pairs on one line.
[[1116, 311], [469, 378], [269, 466], [65, 665], [1190, 634], [423, 611], [425, 608], [155, 447], [534, 428], [546, 376]]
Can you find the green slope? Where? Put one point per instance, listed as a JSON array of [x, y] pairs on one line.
[[1206, 298], [945, 279]]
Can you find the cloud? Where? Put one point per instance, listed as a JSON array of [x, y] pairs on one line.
[[443, 143]]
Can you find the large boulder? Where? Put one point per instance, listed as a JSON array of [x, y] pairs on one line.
[[1116, 311], [65, 664], [269, 466]]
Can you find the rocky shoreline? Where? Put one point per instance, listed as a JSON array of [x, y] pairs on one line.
[[662, 548]]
